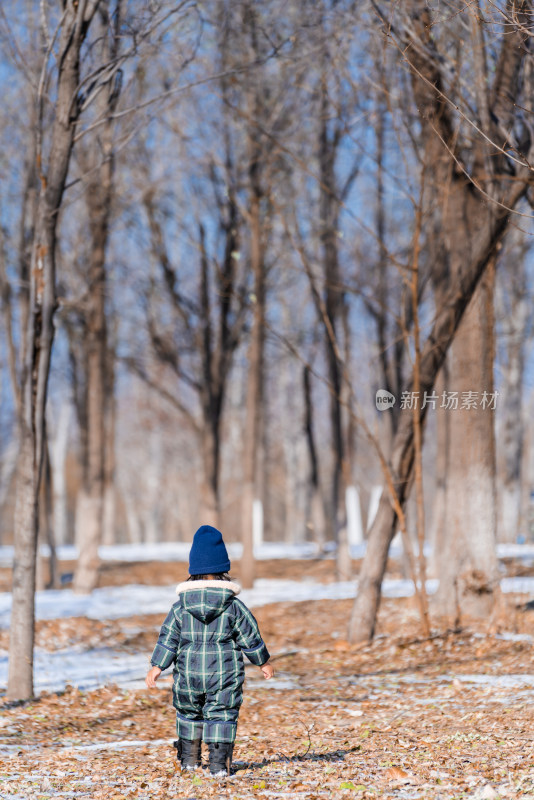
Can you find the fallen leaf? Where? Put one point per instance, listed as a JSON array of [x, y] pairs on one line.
[[397, 774]]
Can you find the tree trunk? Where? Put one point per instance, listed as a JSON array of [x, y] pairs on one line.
[[34, 390], [253, 434], [109, 516], [212, 387], [438, 530], [7, 472], [58, 457], [98, 196], [329, 216], [48, 524], [468, 564], [21, 637], [364, 612], [509, 520], [91, 499]]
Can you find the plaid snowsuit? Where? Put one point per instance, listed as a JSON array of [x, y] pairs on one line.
[[205, 634]]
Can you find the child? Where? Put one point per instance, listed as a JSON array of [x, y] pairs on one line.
[[204, 635]]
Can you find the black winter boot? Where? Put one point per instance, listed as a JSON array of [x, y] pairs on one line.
[[220, 757], [188, 752]]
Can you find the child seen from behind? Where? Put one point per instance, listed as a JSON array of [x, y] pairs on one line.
[[205, 635]]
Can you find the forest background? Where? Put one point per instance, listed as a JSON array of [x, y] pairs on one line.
[[224, 228]]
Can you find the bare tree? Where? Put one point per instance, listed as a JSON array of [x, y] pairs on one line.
[[75, 22], [474, 214], [97, 162], [210, 322]]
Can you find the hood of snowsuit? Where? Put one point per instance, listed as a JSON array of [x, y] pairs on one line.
[[206, 600]]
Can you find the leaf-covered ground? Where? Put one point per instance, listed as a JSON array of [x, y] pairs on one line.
[[403, 718]]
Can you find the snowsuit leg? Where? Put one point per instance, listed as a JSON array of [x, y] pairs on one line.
[[189, 718], [212, 714], [221, 711]]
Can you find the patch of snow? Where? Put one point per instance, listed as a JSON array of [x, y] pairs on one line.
[[279, 684], [518, 585], [512, 550], [514, 637], [486, 792], [518, 681], [179, 551], [83, 669], [114, 602], [122, 744], [108, 603], [89, 669]]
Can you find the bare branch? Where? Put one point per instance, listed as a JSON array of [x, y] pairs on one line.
[[171, 398]]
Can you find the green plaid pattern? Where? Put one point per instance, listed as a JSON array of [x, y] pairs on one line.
[[205, 635]]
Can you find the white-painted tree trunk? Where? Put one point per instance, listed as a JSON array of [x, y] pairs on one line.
[[468, 563], [354, 516], [58, 458], [374, 502], [257, 524], [108, 524]]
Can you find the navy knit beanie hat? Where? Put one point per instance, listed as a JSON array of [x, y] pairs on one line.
[[208, 554]]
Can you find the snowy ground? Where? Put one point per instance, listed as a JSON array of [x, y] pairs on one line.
[[404, 717], [114, 602], [90, 668], [179, 551]]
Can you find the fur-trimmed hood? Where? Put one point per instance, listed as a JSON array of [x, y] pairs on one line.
[[205, 599], [186, 586]]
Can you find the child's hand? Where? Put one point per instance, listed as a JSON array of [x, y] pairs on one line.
[[152, 676], [268, 670]]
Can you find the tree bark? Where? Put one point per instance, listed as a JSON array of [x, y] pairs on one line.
[[211, 395], [316, 504], [98, 196], [329, 220], [253, 433], [468, 563], [109, 514], [254, 450], [438, 530], [46, 522], [513, 428], [58, 458]]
